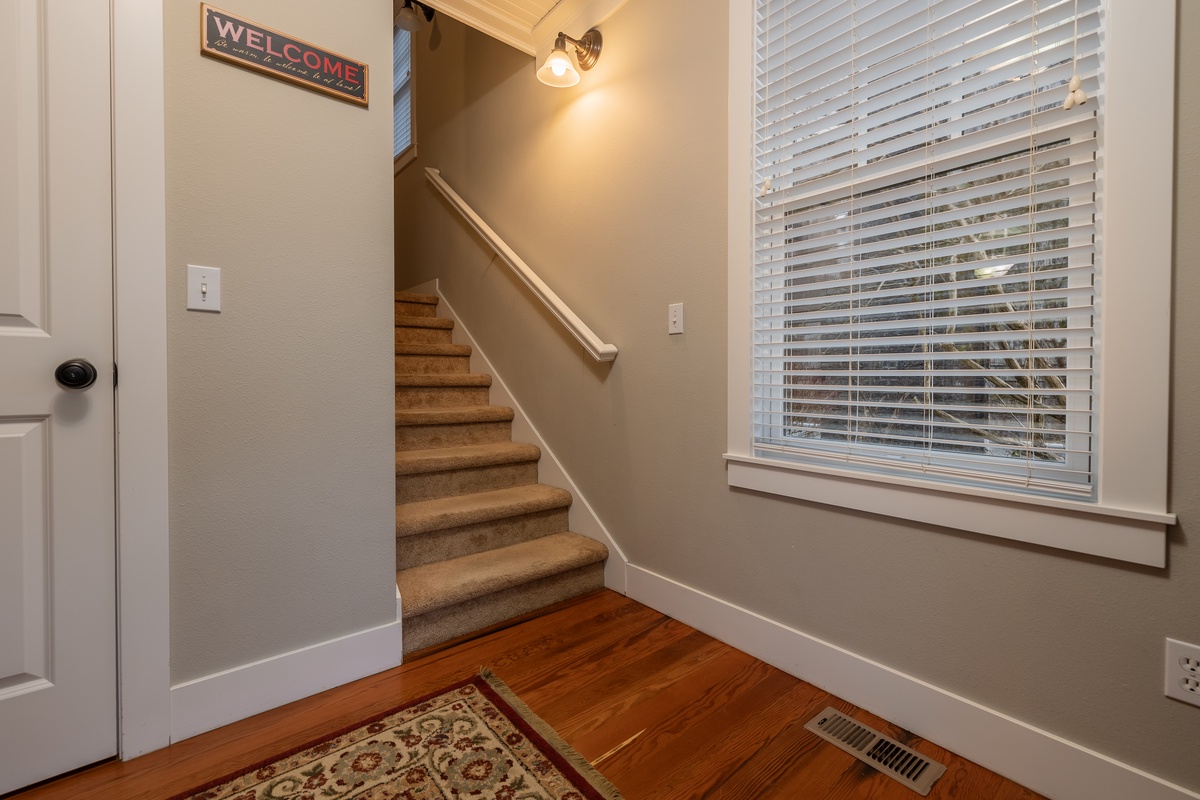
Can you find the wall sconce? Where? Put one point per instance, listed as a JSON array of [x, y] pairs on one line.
[[558, 71], [407, 18]]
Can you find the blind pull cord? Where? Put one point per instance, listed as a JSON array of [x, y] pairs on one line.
[[1076, 96]]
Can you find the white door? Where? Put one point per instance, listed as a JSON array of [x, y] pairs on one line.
[[57, 546]]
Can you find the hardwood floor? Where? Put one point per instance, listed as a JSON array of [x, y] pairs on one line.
[[663, 710]]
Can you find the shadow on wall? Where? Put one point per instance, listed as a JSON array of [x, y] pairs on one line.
[[502, 62]]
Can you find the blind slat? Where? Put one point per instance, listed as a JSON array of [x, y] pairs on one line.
[[785, 202], [964, 152]]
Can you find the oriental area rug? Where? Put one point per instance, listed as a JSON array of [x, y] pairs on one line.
[[474, 739]]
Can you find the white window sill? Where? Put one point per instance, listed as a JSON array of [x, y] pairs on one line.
[[406, 157], [1124, 534]]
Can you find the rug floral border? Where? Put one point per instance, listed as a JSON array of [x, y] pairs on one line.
[[587, 779]]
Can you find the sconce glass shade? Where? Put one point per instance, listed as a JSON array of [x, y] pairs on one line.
[[407, 19], [558, 71]]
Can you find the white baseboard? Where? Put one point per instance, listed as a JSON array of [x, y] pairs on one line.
[[1038, 760], [583, 518], [221, 698]]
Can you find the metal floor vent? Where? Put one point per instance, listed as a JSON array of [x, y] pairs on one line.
[[871, 747]]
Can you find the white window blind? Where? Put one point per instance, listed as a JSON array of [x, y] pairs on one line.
[[401, 90], [926, 263]]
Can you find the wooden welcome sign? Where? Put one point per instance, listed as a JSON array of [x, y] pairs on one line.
[[248, 44]]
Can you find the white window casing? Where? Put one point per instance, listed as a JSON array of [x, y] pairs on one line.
[[403, 130], [822, 272]]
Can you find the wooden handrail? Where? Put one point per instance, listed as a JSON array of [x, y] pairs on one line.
[[601, 351]]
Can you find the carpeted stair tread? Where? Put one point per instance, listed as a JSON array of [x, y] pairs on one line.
[[416, 305], [467, 509], [413, 297], [422, 389], [445, 583], [424, 334], [454, 415], [478, 539], [442, 543], [404, 321], [419, 364], [415, 462], [444, 624], [420, 349], [455, 379]]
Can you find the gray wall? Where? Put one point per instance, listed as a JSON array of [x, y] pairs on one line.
[[615, 192], [280, 435]]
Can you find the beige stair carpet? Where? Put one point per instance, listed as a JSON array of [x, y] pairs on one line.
[[478, 539]]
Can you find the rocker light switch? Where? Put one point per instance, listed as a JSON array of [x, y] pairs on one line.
[[203, 288]]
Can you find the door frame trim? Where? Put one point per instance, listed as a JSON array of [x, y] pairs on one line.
[[140, 336]]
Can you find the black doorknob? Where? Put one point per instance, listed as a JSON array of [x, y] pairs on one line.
[[78, 373]]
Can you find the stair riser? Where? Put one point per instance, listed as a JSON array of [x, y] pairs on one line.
[[451, 483], [440, 396], [431, 546], [432, 365], [427, 437], [410, 335], [404, 309], [446, 623]]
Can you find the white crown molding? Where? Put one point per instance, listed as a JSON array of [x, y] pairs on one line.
[[487, 17], [572, 17]]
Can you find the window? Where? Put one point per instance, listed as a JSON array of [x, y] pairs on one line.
[[402, 117], [924, 255], [926, 242]]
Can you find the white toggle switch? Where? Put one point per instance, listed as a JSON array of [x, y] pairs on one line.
[[203, 288], [675, 318]]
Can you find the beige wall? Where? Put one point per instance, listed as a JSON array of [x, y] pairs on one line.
[[280, 437], [615, 192]]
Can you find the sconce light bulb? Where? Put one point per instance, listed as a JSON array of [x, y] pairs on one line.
[[558, 70]]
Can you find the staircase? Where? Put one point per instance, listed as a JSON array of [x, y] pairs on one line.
[[478, 539]]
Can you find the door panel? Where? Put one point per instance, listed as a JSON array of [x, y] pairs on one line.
[[22, 214], [23, 557], [57, 544]]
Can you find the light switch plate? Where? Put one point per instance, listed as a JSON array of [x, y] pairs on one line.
[[675, 318], [203, 288]]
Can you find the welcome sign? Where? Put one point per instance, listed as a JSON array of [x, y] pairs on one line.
[[248, 44]]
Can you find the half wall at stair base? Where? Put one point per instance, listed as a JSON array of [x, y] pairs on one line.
[[280, 406]]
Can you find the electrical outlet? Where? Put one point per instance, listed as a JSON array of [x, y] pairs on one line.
[[1183, 671]]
